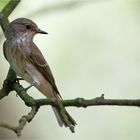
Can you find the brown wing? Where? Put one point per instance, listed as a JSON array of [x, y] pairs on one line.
[[37, 59]]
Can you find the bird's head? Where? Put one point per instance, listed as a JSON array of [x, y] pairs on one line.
[[22, 27]]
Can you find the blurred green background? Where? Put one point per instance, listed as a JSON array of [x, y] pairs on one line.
[[93, 47]]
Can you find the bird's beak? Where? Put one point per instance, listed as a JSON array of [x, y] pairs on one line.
[[41, 31]]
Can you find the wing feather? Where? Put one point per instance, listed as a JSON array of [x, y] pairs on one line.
[[37, 59]]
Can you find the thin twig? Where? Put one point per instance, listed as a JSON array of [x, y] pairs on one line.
[[22, 122]]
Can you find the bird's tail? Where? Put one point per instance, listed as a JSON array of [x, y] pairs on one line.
[[60, 120], [47, 90]]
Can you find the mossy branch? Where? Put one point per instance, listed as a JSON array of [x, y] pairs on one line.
[[36, 104], [6, 11]]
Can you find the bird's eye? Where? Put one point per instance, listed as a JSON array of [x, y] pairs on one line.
[[28, 26]]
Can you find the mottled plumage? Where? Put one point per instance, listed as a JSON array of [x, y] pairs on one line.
[[27, 60]]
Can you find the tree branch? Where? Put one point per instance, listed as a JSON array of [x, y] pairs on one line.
[[98, 101], [11, 76], [22, 122], [7, 10]]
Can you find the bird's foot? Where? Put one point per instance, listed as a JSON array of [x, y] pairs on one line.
[[18, 79]]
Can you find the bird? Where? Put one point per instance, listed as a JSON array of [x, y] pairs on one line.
[[28, 62]]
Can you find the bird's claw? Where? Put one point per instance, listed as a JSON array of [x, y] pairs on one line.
[[18, 79]]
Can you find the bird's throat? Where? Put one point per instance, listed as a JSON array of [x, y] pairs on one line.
[[23, 38]]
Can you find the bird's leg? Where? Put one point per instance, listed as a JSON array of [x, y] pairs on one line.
[[32, 84], [25, 89]]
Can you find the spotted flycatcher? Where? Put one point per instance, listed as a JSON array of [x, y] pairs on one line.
[[28, 62]]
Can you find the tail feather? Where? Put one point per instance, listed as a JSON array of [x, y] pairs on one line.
[[60, 120], [48, 91], [73, 122]]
